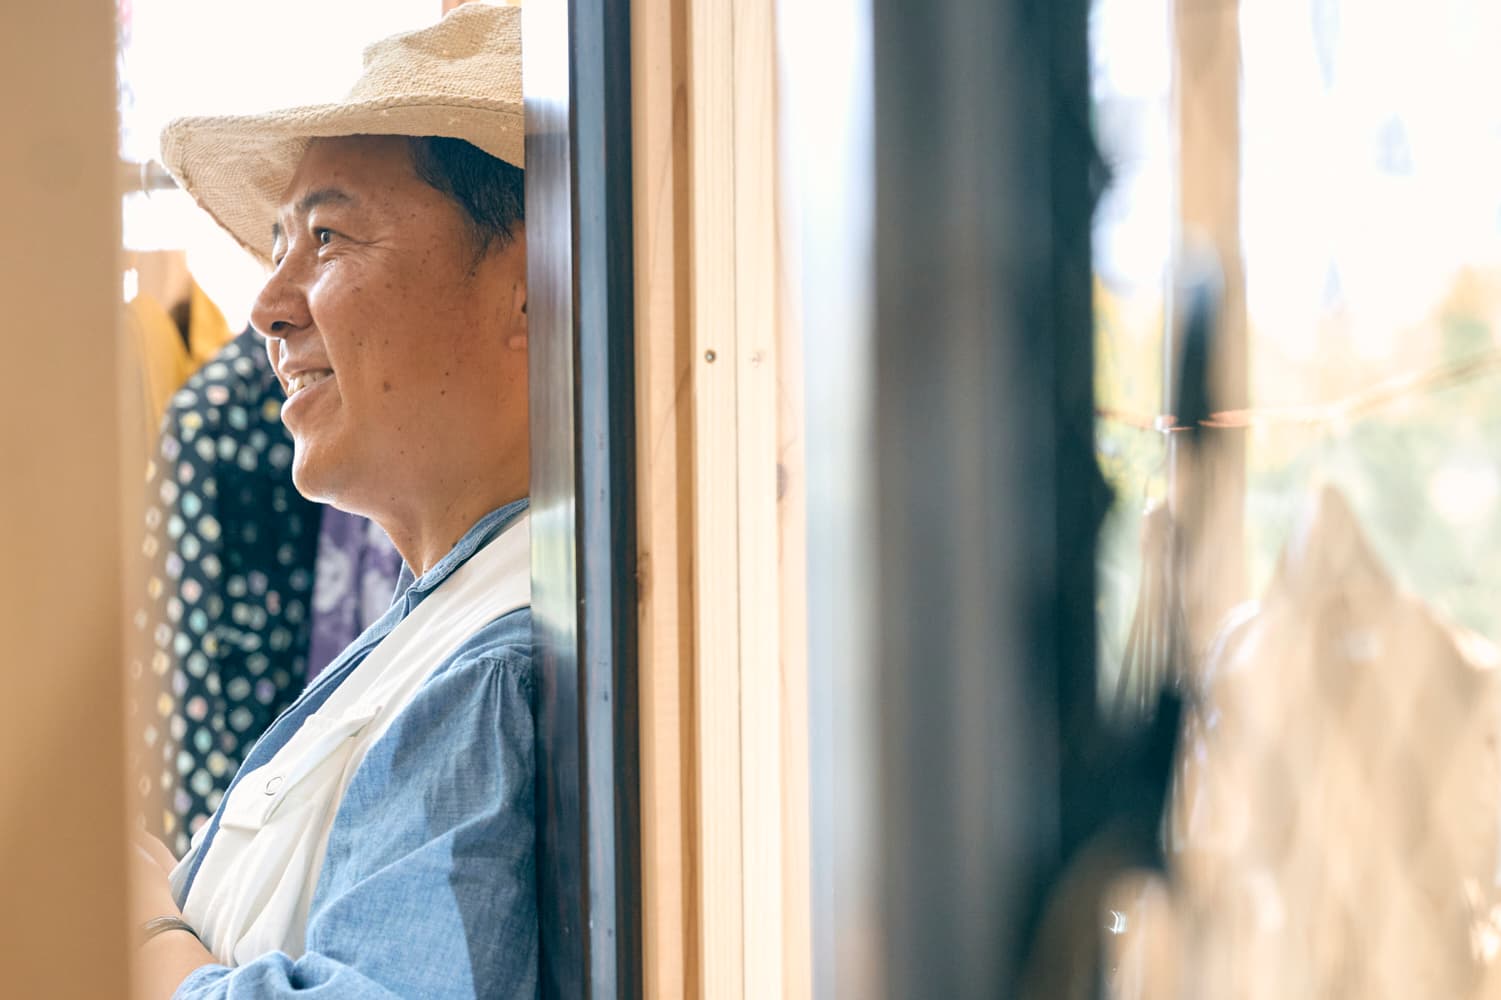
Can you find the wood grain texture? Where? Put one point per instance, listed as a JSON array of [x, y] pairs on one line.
[[757, 294], [721, 527], [716, 537], [664, 465]]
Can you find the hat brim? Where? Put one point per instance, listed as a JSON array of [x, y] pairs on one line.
[[237, 167]]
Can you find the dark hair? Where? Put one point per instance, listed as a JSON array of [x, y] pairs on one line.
[[488, 189]]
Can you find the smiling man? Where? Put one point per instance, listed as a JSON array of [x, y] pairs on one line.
[[396, 320], [379, 839]]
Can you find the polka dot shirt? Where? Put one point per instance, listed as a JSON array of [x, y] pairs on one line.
[[230, 548]]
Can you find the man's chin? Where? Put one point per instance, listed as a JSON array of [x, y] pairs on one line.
[[314, 475]]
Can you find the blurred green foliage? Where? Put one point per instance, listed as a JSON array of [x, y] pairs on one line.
[[1422, 469]]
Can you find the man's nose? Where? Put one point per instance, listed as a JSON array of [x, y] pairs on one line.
[[281, 308]]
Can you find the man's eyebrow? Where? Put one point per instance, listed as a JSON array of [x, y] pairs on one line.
[[310, 201]]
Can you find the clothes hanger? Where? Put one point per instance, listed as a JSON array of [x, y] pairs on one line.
[[161, 274]]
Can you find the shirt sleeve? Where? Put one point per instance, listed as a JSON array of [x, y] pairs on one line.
[[428, 888]]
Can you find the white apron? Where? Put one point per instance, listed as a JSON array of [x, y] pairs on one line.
[[252, 892]]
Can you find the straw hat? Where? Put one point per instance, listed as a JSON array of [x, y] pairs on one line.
[[460, 78]]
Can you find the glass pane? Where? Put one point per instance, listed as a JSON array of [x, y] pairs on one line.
[[1132, 91], [1334, 823]]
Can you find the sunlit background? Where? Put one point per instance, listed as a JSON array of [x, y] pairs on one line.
[[1371, 228], [1334, 830], [178, 57]]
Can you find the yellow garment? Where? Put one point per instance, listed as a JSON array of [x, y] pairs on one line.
[[165, 363]]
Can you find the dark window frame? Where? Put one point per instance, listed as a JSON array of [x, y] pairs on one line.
[[576, 80]]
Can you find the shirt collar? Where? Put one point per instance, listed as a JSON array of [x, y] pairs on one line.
[[485, 529]]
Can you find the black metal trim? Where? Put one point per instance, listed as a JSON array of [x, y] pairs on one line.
[[580, 313]]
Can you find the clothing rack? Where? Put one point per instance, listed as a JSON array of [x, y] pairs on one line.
[[145, 177]]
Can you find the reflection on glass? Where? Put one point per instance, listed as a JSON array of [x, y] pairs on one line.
[[1131, 61], [1336, 821]]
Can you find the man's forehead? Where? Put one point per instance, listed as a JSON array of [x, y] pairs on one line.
[[335, 171], [344, 162]]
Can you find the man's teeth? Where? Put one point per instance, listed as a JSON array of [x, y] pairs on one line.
[[297, 383]]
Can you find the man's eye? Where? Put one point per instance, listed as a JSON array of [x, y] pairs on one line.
[[323, 236]]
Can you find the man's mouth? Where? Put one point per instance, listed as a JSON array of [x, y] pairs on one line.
[[303, 380]]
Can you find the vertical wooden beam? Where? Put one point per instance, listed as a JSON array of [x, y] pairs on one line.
[[664, 367], [1208, 92], [62, 786], [757, 298], [721, 520], [752, 756], [717, 575], [1210, 491]]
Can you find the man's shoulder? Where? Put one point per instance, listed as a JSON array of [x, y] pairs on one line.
[[504, 644]]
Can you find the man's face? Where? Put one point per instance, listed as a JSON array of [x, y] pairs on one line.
[[403, 354]]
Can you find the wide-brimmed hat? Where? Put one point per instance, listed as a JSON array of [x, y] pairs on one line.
[[459, 78]]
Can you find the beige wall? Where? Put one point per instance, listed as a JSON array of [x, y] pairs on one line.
[[61, 787]]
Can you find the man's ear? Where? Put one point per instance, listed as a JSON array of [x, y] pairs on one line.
[[517, 340]]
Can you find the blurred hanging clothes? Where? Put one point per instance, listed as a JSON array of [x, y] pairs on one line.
[[357, 571], [1335, 828], [230, 546], [170, 342]]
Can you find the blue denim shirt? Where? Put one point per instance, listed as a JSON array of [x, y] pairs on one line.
[[428, 888]]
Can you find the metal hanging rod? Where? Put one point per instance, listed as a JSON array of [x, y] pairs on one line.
[[147, 176]]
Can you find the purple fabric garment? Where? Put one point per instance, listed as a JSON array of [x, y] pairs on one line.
[[357, 568]]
